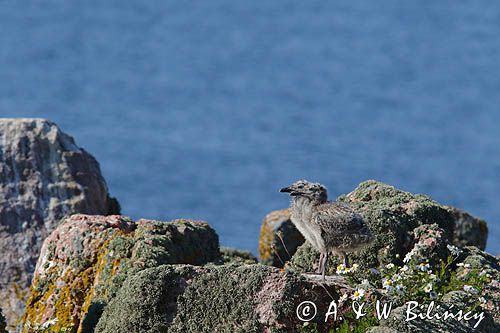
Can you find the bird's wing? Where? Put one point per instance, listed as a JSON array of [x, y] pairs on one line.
[[339, 222]]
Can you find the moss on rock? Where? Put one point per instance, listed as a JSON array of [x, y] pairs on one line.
[[451, 302], [232, 255], [391, 215], [86, 259], [227, 298]]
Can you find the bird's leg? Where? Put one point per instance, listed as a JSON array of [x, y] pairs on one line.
[[318, 271], [346, 260], [323, 265]]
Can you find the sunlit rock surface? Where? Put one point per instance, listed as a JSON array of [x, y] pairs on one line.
[[84, 262], [44, 176]]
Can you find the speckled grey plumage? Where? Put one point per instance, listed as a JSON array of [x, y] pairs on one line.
[[331, 227]]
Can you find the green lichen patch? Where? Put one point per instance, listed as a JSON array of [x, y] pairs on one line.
[[78, 279], [232, 255], [214, 298], [223, 299]]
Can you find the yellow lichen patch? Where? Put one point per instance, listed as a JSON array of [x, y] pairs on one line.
[[66, 296], [265, 242], [267, 233]]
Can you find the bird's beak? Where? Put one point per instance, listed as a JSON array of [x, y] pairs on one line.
[[286, 189], [290, 190]]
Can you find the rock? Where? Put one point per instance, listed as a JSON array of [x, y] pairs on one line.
[[228, 298], [451, 302], [392, 215], [84, 262], [468, 230], [279, 239], [3, 323], [230, 255], [430, 244], [44, 176], [111, 274], [489, 265], [469, 260]]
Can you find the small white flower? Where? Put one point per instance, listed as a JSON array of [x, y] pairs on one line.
[[405, 268], [455, 251], [390, 265], [396, 277], [470, 289], [482, 300], [407, 257], [358, 294], [433, 295], [428, 287], [400, 289], [424, 267], [353, 268], [49, 323], [341, 269], [387, 284], [343, 298], [434, 278], [365, 282], [397, 255], [461, 264]]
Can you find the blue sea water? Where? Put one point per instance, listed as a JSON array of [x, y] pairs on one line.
[[204, 109]]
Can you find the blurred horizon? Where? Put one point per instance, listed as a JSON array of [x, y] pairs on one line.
[[205, 110]]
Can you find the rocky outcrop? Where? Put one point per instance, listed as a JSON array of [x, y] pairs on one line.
[[392, 215], [279, 239], [111, 274], [468, 230], [470, 260], [84, 262], [229, 298], [44, 176]]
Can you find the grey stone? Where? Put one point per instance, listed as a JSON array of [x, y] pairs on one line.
[[44, 176], [468, 230]]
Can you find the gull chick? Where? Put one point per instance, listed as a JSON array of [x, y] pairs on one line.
[[329, 226]]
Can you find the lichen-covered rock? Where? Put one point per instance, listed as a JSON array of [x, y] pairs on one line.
[[392, 215], [451, 303], [468, 230], [3, 324], [227, 298], [231, 255], [84, 262], [473, 258], [468, 265], [279, 239], [44, 176], [430, 244]]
